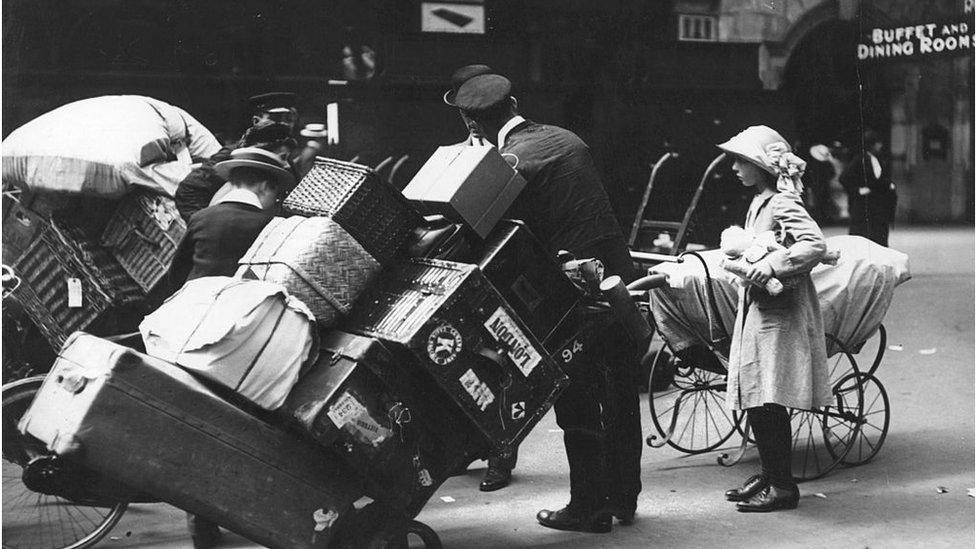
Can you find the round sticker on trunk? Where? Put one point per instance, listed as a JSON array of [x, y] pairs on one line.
[[444, 344]]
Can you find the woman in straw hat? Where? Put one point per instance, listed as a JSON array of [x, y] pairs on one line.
[[778, 354]]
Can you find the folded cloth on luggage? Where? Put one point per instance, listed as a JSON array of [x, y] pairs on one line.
[[316, 259], [854, 294], [248, 335], [103, 145]]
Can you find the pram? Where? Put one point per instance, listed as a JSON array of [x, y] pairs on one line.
[[695, 315]]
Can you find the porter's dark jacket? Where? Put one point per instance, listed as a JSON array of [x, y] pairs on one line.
[[564, 202]]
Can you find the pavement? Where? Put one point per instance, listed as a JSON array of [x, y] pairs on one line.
[[913, 494]]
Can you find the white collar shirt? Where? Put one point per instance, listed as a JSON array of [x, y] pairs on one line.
[[507, 128], [242, 196]]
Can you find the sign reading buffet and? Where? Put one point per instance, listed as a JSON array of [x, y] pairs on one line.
[[916, 40]]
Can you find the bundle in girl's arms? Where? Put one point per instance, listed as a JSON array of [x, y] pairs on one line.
[[744, 247]]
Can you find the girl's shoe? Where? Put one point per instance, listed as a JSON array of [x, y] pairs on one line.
[[771, 498], [752, 486]]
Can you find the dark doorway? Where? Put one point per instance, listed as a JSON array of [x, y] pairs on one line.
[[833, 95], [834, 98]]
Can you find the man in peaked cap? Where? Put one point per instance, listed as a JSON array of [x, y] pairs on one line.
[[275, 106], [460, 76], [500, 464], [565, 205]]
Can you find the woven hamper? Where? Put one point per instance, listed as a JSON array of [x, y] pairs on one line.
[[316, 259], [378, 216], [62, 252], [143, 235]]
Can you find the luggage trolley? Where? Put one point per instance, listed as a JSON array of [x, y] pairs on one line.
[[689, 413]]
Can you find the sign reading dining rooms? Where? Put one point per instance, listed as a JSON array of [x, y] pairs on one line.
[[916, 40]]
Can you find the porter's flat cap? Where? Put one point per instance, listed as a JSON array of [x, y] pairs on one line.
[[270, 102], [461, 76], [483, 92]]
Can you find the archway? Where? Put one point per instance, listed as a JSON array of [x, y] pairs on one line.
[[834, 98], [833, 95]]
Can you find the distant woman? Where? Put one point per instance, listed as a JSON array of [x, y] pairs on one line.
[[778, 355]]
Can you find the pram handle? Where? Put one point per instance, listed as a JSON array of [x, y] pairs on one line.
[[660, 258], [626, 312]]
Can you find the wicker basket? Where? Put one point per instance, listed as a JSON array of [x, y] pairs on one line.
[[143, 235], [378, 216], [316, 259], [62, 252]]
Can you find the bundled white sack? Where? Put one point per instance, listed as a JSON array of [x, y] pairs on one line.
[[854, 294], [104, 145], [248, 335]]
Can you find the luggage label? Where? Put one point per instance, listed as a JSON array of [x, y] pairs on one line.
[[502, 327], [348, 413]]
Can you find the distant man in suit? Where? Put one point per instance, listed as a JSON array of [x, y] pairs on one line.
[[565, 205], [871, 197]]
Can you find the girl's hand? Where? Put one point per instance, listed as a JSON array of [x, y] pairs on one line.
[[760, 273]]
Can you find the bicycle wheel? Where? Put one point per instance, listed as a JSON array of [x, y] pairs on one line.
[[688, 413], [36, 520], [874, 422], [823, 437]]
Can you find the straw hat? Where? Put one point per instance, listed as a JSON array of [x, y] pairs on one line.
[[258, 159]]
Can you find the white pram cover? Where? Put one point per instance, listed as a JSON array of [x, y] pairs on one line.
[[103, 145], [854, 295]]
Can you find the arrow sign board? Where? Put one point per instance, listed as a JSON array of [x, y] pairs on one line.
[[449, 17]]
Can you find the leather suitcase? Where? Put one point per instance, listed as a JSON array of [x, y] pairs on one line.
[[470, 185], [404, 449], [454, 330], [151, 425], [517, 264]]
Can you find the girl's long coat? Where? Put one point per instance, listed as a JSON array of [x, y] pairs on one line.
[[778, 351]]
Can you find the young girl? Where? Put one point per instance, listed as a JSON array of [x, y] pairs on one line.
[[778, 356]]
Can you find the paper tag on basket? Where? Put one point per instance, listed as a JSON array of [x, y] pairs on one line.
[[74, 293]]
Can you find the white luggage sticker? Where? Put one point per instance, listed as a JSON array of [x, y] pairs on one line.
[[350, 413], [479, 391], [501, 326]]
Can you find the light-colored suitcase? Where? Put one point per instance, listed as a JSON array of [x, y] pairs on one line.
[[153, 426]]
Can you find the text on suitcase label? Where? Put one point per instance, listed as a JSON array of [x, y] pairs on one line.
[[478, 390], [503, 328]]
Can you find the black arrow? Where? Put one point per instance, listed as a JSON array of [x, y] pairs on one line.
[[454, 17]]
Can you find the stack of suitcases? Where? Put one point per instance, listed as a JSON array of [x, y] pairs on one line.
[[423, 366]]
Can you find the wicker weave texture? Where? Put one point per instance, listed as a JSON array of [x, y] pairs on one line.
[[143, 235], [58, 254], [368, 208], [317, 260]]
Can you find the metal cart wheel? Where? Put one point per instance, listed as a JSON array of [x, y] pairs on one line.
[[689, 414], [32, 518], [874, 422], [822, 438]]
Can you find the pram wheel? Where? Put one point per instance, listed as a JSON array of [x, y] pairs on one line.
[[874, 422], [822, 438], [687, 407]]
